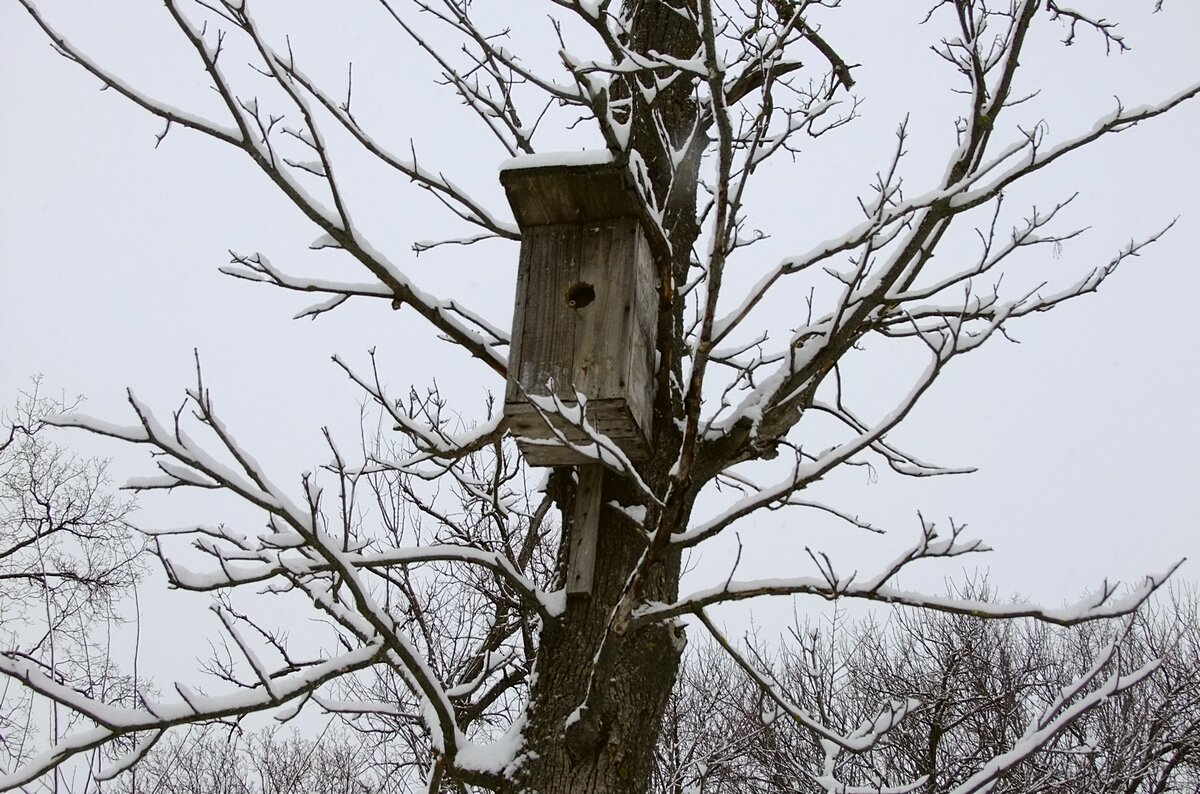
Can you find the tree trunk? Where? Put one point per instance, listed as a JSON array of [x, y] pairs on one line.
[[610, 747]]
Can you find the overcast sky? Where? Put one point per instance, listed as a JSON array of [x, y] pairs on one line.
[[1085, 433]]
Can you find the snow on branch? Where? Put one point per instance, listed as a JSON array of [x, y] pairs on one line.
[[879, 292], [116, 721], [424, 424], [169, 114], [1073, 701], [861, 739], [339, 576], [944, 344], [257, 133], [830, 585], [961, 191], [453, 196], [1073, 20], [911, 319], [256, 267], [900, 461], [267, 560]]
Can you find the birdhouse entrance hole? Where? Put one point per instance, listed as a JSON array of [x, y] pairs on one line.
[[580, 295]]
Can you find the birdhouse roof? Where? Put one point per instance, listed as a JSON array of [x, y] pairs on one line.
[[569, 189]]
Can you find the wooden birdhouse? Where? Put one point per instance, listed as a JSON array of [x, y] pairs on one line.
[[586, 306]]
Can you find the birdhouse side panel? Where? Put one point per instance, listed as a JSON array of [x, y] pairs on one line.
[[544, 327], [639, 375], [518, 329]]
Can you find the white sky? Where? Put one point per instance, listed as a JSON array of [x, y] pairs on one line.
[[1085, 434]]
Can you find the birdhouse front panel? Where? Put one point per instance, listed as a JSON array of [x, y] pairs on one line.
[[584, 325], [585, 315]]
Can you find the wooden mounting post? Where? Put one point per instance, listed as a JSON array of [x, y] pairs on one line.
[[585, 529]]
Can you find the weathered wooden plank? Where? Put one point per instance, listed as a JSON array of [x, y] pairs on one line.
[[548, 324], [603, 327], [585, 529]]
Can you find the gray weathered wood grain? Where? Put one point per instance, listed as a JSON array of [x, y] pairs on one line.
[[581, 561]]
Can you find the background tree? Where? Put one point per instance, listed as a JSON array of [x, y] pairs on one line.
[[267, 761], [980, 684], [752, 408], [67, 559]]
